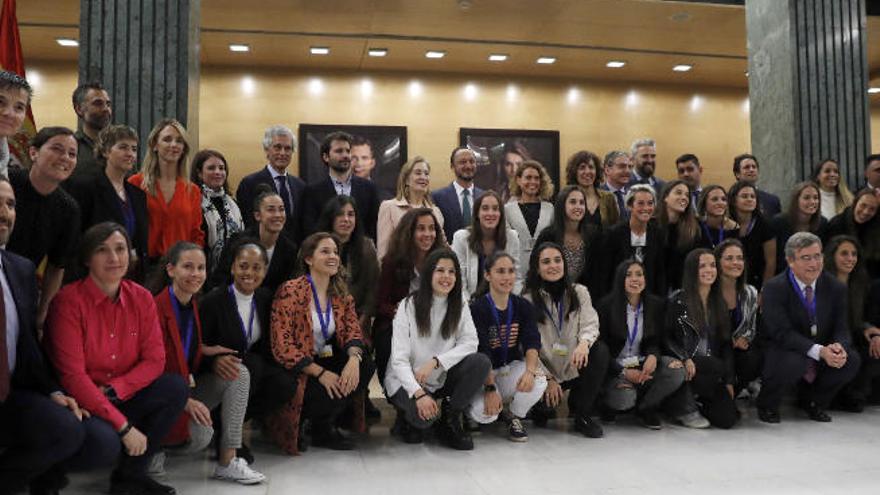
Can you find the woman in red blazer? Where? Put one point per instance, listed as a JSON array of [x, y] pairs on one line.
[[315, 331]]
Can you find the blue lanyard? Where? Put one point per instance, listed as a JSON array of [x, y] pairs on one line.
[[250, 328], [811, 307], [188, 332], [559, 315], [709, 234], [323, 318], [751, 225], [503, 337], [634, 331]]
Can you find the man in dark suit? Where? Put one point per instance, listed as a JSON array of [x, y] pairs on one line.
[[807, 334], [278, 143], [617, 167], [39, 425], [745, 168], [644, 157], [872, 173], [456, 200], [336, 154]]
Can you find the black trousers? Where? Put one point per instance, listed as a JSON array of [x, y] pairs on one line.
[[783, 369], [272, 385], [37, 435], [862, 386], [584, 389], [748, 365], [318, 406], [710, 390], [463, 382]]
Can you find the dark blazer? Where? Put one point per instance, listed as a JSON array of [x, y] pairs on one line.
[[787, 325], [98, 203], [280, 268], [615, 332], [657, 185], [32, 371], [769, 202], [316, 195], [447, 201], [617, 249], [781, 226], [220, 323], [247, 193]]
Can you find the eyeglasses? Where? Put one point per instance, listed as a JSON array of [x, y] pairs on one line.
[[806, 258]]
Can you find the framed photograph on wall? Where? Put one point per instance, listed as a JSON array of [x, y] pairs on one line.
[[379, 157], [497, 151]]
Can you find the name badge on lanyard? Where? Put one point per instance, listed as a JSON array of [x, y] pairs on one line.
[[633, 333], [323, 320], [558, 348], [249, 331], [809, 306], [503, 336]]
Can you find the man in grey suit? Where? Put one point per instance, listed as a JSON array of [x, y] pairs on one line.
[[456, 201]]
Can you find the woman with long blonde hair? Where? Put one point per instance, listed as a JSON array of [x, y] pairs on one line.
[[413, 191]]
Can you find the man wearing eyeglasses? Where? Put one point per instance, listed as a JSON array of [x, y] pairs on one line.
[[805, 323]]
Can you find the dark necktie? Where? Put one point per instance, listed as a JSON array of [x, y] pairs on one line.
[[624, 213], [284, 192], [4, 356], [466, 206]]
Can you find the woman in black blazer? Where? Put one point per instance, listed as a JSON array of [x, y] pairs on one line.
[[237, 316], [639, 376], [107, 197], [640, 238]]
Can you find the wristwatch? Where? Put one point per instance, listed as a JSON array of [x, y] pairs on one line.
[[489, 388]]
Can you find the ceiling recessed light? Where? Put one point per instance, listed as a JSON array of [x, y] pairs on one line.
[[435, 54], [319, 50], [239, 48], [67, 42], [873, 91], [682, 68], [615, 64], [497, 57], [377, 52], [546, 60]]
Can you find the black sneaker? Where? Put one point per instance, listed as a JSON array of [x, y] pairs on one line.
[[540, 414], [516, 431], [138, 485], [330, 438], [650, 419], [244, 452], [608, 416], [452, 430], [587, 427]]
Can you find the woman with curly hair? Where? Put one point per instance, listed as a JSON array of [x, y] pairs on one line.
[[532, 212]]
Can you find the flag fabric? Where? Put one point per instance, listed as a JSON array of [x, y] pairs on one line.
[[12, 60]]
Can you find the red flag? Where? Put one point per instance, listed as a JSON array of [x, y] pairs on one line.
[[12, 60]]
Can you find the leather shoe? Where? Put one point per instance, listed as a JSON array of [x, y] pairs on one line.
[[587, 427], [330, 438], [768, 415], [816, 413]]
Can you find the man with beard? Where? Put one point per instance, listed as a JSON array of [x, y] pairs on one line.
[[94, 110], [336, 154], [456, 200], [691, 172], [644, 157]]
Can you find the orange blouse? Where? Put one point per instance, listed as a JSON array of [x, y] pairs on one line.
[[177, 220]]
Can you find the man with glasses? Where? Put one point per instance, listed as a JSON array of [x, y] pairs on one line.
[[807, 334]]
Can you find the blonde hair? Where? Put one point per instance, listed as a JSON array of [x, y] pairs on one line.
[[402, 179], [150, 169], [546, 191]]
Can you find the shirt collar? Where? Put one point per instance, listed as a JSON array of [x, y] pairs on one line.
[[345, 182], [275, 173], [458, 188], [612, 188], [802, 285], [96, 295]]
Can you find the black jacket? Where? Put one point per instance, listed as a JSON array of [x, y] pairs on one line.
[[618, 248], [316, 195], [221, 324], [682, 337], [615, 335]]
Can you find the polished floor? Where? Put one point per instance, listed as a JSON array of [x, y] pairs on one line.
[[797, 456]]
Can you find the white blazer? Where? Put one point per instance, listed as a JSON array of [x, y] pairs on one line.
[[470, 261], [517, 222]]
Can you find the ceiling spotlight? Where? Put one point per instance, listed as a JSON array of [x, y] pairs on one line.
[[319, 50], [435, 54], [615, 64], [67, 42], [682, 68], [873, 91], [377, 52], [239, 48], [546, 60], [497, 57]]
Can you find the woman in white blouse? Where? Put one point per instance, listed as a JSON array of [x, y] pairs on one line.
[[532, 211], [434, 355]]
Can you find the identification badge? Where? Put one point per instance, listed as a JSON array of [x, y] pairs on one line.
[[504, 370], [631, 362], [560, 349], [326, 351], [192, 381], [814, 329]]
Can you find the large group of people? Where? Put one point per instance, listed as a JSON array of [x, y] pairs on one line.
[[172, 315]]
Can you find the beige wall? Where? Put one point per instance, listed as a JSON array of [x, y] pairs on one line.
[[236, 106]]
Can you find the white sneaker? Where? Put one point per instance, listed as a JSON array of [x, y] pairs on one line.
[[239, 472], [694, 420], [157, 465]]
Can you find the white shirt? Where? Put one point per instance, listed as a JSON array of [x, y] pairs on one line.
[[829, 204], [269, 252], [343, 188], [316, 329], [458, 192], [11, 319], [243, 304]]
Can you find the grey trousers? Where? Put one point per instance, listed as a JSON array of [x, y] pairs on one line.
[[648, 395], [232, 397]]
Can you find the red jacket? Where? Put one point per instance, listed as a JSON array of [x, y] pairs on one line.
[[175, 360]]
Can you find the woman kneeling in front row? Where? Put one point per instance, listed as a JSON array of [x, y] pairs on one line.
[[434, 356], [509, 337], [632, 325]]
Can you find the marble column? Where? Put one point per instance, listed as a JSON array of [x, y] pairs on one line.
[[146, 53], [808, 77]]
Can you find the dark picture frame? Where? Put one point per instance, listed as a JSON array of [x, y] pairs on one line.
[[389, 145], [491, 147]]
